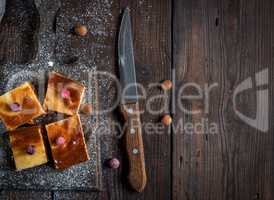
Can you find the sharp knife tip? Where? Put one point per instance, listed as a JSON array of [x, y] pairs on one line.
[[125, 15], [127, 10]]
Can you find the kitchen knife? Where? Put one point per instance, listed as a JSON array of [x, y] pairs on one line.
[[2, 8], [129, 106]]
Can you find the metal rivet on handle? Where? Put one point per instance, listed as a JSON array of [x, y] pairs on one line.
[[135, 151], [132, 131], [130, 110]]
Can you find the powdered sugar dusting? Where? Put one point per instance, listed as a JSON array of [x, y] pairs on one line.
[[78, 58]]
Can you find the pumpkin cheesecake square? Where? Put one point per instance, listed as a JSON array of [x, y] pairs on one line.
[[67, 142], [28, 147], [63, 94], [19, 106]]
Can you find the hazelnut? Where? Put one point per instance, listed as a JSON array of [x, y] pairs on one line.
[[166, 85], [114, 163], [86, 109], [167, 120], [81, 30]]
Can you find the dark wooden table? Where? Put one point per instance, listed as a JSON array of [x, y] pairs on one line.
[[203, 42]]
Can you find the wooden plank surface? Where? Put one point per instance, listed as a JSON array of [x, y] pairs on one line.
[[151, 28], [222, 42], [151, 22], [18, 29]]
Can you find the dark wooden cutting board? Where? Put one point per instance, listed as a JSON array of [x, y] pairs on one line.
[[34, 37]]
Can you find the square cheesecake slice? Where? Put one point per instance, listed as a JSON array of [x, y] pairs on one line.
[[28, 147], [19, 106], [63, 95], [67, 142]]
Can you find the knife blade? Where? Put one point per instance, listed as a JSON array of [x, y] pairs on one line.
[[129, 105], [2, 8]]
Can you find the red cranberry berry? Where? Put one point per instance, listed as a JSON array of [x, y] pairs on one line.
[[114, 163], [15, 107], [30, 150], [65, 93], [60, 140]]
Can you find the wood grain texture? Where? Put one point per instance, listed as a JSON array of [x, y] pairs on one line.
[[134, 145], [151, 30], [222, 42], [151, 25], [214, 41], [151, 21], [18, 32]]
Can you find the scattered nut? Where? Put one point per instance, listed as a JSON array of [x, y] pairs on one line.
[[166, 85], [114, 163], [86, 109], [167, 120], [81, 30]]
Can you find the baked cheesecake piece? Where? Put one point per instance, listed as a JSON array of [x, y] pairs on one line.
[[63, 95], [19, 106], [67, 142], [28, 147]]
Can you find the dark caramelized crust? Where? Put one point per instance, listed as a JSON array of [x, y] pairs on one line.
[[20, 140], [54, 100], [74, 149], [26, 98]]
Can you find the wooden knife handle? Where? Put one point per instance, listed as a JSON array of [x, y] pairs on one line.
[[134, 145]]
